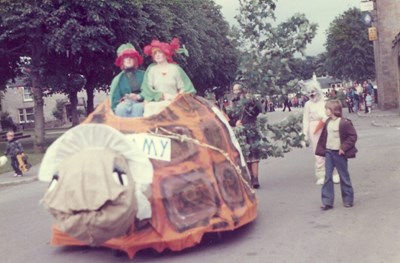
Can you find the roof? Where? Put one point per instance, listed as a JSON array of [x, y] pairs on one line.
[[326, 82], [18, 82]]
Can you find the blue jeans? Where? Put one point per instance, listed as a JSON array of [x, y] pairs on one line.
[[356, 106], [332, 160], [15, 165], [129, 108]]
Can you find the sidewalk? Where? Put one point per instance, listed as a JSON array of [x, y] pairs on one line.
[[379, 118], [390, 118], [8, 179]]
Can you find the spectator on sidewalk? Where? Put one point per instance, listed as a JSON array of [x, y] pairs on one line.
[[356, 101], [13, 148], [368, 102]]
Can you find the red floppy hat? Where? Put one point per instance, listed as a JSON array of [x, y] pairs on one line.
[[125, 51], [169, 49]]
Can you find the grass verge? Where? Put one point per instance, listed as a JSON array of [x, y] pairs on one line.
[[27, 144]]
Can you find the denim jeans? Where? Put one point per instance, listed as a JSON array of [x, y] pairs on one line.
[[332, 160], [129, 108], [15, 165], [356, 106]]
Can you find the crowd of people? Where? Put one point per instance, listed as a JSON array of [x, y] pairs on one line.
[[361, 97]]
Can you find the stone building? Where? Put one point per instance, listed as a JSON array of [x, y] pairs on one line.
[[17, 101], [387, 55]]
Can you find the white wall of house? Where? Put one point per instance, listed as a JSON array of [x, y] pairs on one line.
[[18, 102]]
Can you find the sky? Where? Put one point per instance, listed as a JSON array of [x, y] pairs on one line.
[[321, 12]]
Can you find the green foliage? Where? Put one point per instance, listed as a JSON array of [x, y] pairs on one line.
[[267, 50], [64, 38], [350, 54], [268, 67], [285, 135], [277, 138], [201, 27], [303, 68], [80, 37]]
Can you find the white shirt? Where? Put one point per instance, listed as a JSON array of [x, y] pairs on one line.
[[333, 140]]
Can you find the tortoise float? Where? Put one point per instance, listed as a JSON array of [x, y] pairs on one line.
[[158, 182]]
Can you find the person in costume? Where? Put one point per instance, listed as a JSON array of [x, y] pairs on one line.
[[314, 117], [163, 79], [243, 115], [126, 100]]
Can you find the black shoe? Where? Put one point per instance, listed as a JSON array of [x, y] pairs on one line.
[[348, 205], [326, 207], [255, 183]]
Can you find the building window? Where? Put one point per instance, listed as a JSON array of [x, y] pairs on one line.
[[27, 94], [26, 115]]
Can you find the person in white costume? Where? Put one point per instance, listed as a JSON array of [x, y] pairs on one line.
[[314, 117]]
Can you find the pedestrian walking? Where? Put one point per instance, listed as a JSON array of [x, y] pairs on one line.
[[286, 103], [337, 144], [349, 100]]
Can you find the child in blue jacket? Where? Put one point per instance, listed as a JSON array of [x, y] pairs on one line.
[[13, 148]]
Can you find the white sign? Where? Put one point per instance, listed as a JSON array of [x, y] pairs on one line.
[[154, 147], [367, 6]]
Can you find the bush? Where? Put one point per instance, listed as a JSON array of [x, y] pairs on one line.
[[58, 111], [7, 122]]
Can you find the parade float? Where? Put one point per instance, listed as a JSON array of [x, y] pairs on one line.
[[159, 182]]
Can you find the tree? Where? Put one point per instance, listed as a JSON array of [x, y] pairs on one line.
[[84, 38], [21, 31], [199, 25], [303, 68], [267, 50], [219, 58], [61, 39], [350, 54], [266, 53]]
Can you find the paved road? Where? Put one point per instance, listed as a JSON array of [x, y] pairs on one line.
[[290, 227]]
